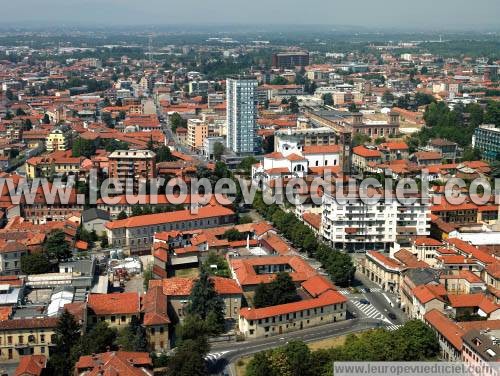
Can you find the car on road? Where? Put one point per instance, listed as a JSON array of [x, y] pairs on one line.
[[364, 301], [367, 289], [392, 315]]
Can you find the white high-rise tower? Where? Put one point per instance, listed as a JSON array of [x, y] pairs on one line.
[[241, 115]]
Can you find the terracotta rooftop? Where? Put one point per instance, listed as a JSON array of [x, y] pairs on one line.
[[329, 297], [31, 365], [116, 303], [115, 363], [446, 327]]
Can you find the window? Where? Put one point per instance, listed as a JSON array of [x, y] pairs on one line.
[[152, 331], [9, 340], [113, 318], [42, 338], [123, 318]]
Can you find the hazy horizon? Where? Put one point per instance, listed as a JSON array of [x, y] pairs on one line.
[[387, 14]]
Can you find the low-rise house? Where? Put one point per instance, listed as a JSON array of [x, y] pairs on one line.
[[31, 365], [156, 320], [427, 158], [392, 151], [363, 157], [447, 149], [426, 298], [466, 305], [117, 309], [11, 252], [94, 220], [115, 363], [27, 336]]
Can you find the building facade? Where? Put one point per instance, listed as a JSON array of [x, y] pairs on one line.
[[241, 115]]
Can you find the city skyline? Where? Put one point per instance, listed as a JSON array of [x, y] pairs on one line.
[[453, 15]]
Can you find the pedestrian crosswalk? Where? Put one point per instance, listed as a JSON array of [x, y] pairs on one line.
[[214, 357], [368, 310], [393, 327], [350, 292]]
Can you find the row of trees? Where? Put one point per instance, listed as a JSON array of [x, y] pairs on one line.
[[412, 342], [338, 264]]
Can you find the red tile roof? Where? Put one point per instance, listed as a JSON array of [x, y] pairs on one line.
[[317, 285], [446, 327], [246, 274], [115, 363], [31, 365], [473, 300], [321, 149], [426, 241], [469, 249], [328, 298], [365, 152], [182, 286], [35, 323], [426, 293], [116, 303], [313, 219], [176, 216], [155, 307]]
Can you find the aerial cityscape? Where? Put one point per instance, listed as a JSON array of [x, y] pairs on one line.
[[196, 189]]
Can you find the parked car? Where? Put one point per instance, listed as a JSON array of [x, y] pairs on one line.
[[364, 301], [392, 316]]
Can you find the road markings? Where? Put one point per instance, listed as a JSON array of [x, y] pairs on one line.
[[368, 310], [393, 327], [214, 357]]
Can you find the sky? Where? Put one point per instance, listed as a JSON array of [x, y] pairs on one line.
[[412, 14]]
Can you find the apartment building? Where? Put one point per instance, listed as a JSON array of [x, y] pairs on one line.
[[357, 226], [136, 234], [58, 139], [28, 336], [132, 164], [10, 257], [156, 320], [290, 60], [241, 115], [197, 132], [486, 139]]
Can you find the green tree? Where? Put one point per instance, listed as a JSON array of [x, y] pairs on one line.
[[187, 361], [147, 276], [163, 154], [246, 164], [260, 365], [35, 263], [471, 154], [122, 215], [46, 119], [9, 94], [293, 105], [327, 99], [204, 299], [56, 246], [279, 80], [387, 97], [67, 335], [177, 121], [133, 337], [99, 339], [340, 268], [218, 151], [352, 108], [360, 139], [280, 291]]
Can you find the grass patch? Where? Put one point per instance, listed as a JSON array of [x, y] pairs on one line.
[[187, 273], [327, 343], [241, 365]]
